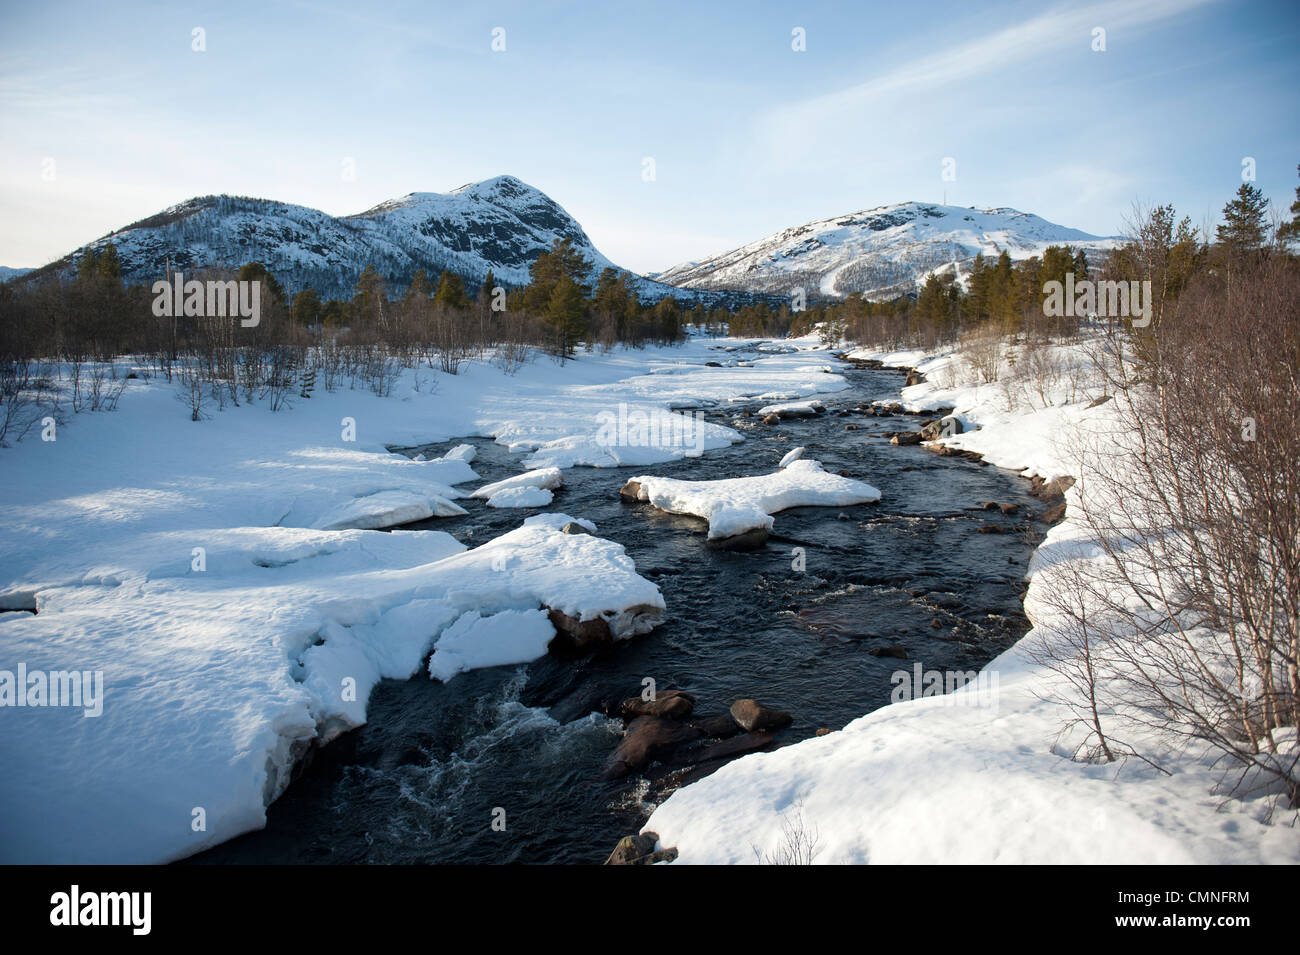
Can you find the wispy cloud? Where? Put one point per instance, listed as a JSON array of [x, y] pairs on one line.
[[994, 52]]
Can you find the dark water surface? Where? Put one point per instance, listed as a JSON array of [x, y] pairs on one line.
[[420, 781]]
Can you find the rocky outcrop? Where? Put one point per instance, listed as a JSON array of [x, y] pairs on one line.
[[576, 635], [731, 748], [717, 727], [647, 738], [944, 427], [753, 716], [640, 850], [669, 704]]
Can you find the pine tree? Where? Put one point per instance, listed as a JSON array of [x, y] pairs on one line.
[[564, 315], [932, 305], [1290, 231], [1080, 266], [562, 260], [109, 267], [370, 298], [306, 307], [88, 266], [257, 272], [419, 287], [451, 291], [1242, 230]]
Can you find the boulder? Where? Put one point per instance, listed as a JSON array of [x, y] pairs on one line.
[[754, 716], [772, 419], [1054, 514], [909, 437], [914, 377], [573, 527], [631, 491], [578, 636], [647, 738], [896, 651], [1050, 490], [1010, 509], [990, 529], [941, 428], [631, 849], [731, 748], [670, 704], [717, 727]]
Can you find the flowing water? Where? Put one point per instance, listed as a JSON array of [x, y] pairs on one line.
[[424, 779]]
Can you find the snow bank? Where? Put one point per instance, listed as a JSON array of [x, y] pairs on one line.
[[216, 682], [794, 409], [547, 478], [475, 641], [735, 505], [386, 509], [462, 452], [521, 497]]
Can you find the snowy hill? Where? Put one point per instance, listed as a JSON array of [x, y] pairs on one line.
[[880, 252], [7, 273], [501, 224]]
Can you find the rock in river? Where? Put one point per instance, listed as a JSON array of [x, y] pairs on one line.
[[753, 716]]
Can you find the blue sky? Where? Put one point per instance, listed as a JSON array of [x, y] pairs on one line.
[[748, 136]]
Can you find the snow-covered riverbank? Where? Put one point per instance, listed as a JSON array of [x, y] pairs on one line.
[[974, 777], [205, 569]]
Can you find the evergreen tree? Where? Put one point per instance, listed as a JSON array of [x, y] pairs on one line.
[[932, 305], [563, 260], [306, 307], [109, 267], [451, 291], [419, 288], [564, 315], [370, 298], [1290, 231], [257, 272], [1242, 230], [88, 266]]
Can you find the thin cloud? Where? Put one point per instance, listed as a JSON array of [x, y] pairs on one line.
[[988, 54]]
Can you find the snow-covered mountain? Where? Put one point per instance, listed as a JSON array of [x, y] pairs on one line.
[[7, 273], [880, 252], [501, 224]]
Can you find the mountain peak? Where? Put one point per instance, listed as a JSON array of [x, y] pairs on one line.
[[880, 253], [500, 225]]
